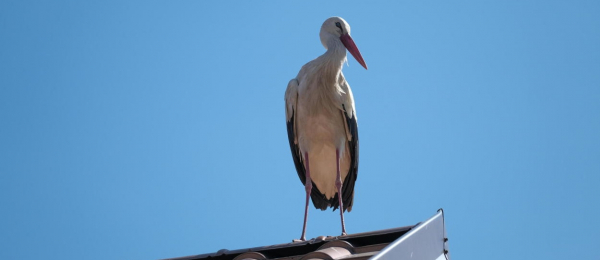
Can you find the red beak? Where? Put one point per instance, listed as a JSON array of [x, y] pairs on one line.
[[351, 47]]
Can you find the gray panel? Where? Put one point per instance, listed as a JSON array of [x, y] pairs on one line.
[[426, 241]]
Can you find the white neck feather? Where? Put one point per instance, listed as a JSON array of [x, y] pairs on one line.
[[324, 78]]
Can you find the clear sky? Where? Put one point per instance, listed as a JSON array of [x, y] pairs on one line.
[[155, 129]]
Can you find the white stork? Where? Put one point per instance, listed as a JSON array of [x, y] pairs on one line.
[[321, 123]]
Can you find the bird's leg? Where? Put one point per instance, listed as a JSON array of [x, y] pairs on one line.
[[338, 184], [308, 188]]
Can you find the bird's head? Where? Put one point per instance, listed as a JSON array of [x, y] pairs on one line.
[[336, 28]]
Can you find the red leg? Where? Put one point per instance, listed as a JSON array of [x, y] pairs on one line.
[[308, 188], [338, 185]]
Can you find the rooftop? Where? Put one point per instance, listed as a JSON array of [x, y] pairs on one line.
[[424, 240]]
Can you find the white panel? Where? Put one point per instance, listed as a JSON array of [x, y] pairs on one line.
[[423, 242]]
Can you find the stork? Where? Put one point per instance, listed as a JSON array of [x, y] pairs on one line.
[[321, 124]]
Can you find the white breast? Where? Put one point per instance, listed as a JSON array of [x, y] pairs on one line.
[[320, 130]]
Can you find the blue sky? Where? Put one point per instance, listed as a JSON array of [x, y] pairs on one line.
[[155, 129]]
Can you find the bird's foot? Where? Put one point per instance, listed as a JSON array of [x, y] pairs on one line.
[[302, 239], [344, 233]]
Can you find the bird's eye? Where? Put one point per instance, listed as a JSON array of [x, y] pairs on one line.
[[339, 26]]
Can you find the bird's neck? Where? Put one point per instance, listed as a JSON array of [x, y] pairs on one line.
[[323, 79], [329, 65], [335, 56]]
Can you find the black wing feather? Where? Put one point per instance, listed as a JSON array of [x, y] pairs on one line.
[[348, 186]]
